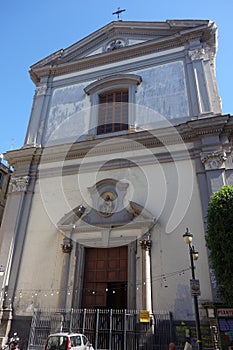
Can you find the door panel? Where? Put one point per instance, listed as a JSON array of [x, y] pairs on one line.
[[105, 277]]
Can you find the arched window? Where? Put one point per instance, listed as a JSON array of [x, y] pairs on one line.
[[114, 97]]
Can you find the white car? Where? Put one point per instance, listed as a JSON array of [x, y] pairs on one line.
[[67, 341]]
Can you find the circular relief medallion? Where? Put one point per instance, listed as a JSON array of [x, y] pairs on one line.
[[115, 44]]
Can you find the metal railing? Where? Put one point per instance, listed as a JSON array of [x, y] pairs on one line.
[[105, 328]]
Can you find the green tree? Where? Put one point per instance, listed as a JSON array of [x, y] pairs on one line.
[[220, 240]]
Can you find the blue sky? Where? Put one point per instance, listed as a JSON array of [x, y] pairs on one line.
[[32, 30]]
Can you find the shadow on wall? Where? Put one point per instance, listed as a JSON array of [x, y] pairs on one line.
[[183, 303]]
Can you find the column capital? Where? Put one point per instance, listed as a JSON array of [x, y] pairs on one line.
[[41, 90], [201, 54], [19, 184], [67, 245], [214, 160], [146, 244]]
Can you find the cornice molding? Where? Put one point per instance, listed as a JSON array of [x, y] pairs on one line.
[[189, 132], [24, 159], [60, 67]]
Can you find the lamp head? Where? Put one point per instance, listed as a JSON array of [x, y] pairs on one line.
[[194, 253], [187, 236]]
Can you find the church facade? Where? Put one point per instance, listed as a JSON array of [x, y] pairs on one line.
[[125, 144]]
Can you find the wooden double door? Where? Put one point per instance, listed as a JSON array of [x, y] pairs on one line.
[[105, 278]]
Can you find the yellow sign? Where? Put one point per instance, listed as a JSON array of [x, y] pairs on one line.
[[144, 316]]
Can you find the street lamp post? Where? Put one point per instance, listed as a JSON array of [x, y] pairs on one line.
[[193, 254]]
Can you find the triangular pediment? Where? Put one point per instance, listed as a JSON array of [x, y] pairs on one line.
[[120, 35]]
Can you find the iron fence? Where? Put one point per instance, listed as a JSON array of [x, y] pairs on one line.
[[106, 328]]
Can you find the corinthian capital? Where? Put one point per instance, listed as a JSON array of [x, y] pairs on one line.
[[201, 54], [67, 245], [145, 244], [214, 160], [19, 184], [41, 90]]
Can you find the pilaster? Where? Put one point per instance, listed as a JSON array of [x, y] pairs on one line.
[[196, 57], [38, 115], [145, 244], [211, 177], [131, 293], [78, 280], [214, 164], [66, 247], [15, 220]]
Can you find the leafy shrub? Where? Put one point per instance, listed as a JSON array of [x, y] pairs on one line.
[[220, 240]]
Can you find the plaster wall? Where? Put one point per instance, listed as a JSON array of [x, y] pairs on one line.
[[171, 271], [121, 64], [173, 201], [162, 95], [40, 268], [163, 90]]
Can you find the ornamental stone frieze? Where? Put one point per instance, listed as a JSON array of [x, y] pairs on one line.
[[19, 184], [214, 160], [201, 54]]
